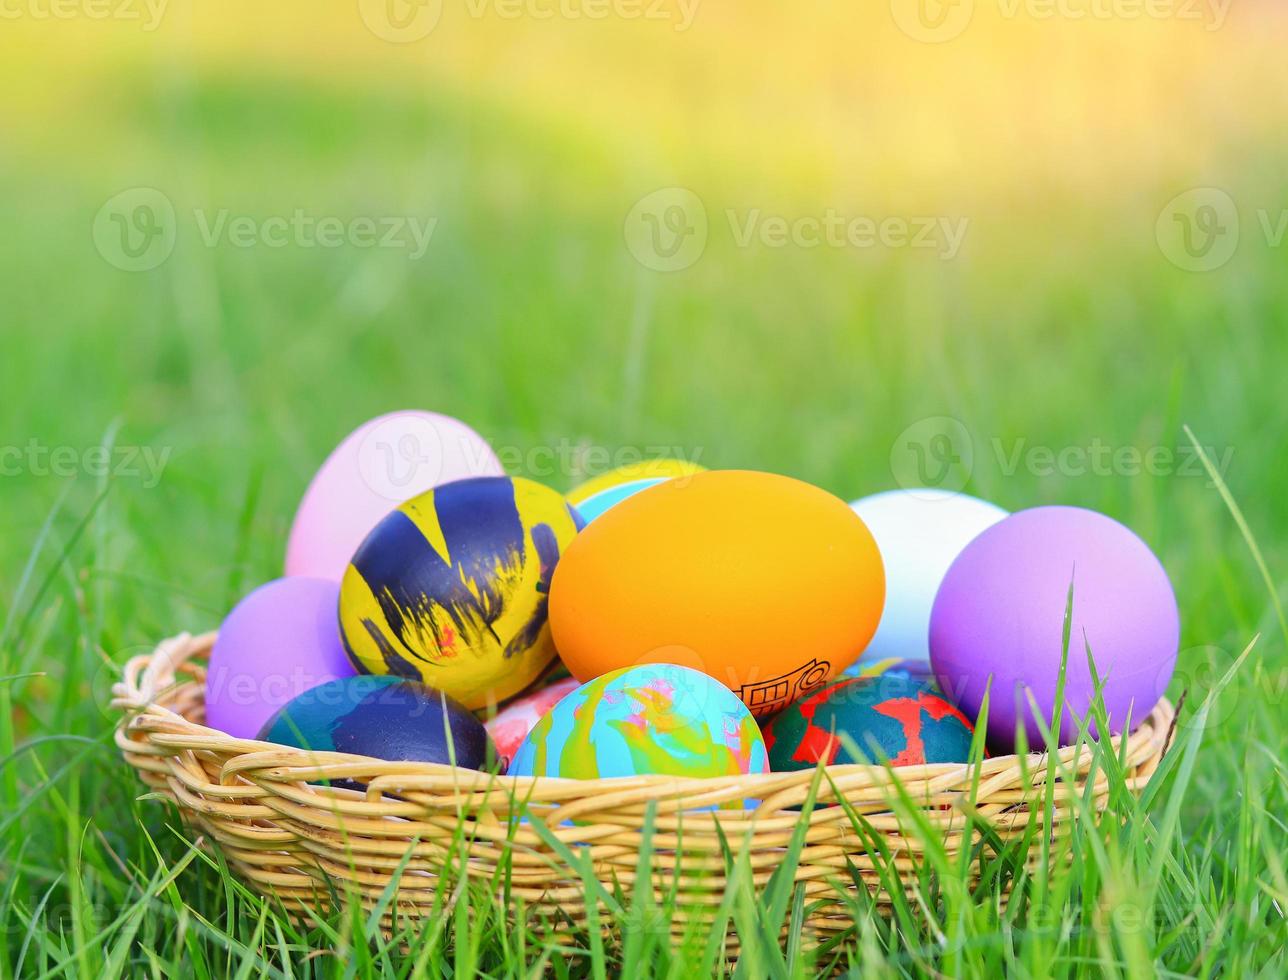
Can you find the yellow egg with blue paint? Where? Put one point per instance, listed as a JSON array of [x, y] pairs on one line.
[[652, 719], [644, 469], [598, 503], [451, 588]]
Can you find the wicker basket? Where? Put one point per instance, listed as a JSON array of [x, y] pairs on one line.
[[307, 844]]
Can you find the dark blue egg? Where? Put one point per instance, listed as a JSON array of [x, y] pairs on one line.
[[383, 717]]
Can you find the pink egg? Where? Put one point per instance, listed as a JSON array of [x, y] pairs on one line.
[[512, 724], [380, 465]]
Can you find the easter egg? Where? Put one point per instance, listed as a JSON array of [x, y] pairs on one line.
[[654, 719], [379, 465], [999, 617], [513, 722], [383, 717], [597, 503], [895, 719], [919, 533], [918, 670], [451, 588], [278, 642], [647, 469], [769, 585]]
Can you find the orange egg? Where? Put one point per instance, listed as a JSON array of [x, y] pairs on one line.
[[770, 585]]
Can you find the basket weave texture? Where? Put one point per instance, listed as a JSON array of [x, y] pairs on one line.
[[306, 844]]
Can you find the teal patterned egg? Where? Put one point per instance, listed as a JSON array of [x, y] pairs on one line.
[[892, 717]]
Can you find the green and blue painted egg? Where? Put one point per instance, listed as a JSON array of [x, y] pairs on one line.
[[652, 719], [384, 717], [890, 717]]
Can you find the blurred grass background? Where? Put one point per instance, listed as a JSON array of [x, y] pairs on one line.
[[1061, 323]]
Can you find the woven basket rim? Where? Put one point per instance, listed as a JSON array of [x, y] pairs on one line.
[[151, 681]]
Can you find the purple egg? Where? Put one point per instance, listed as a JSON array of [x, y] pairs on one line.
[[999, 614], [279, 641]]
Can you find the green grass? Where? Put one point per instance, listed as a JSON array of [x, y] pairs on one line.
[[530, 319]]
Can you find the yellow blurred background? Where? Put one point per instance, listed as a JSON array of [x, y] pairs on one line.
[[1079, 97]]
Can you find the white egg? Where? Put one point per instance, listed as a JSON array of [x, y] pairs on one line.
[[918, 532]]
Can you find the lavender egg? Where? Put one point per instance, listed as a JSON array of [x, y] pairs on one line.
[[999, 616], [277, 643]]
